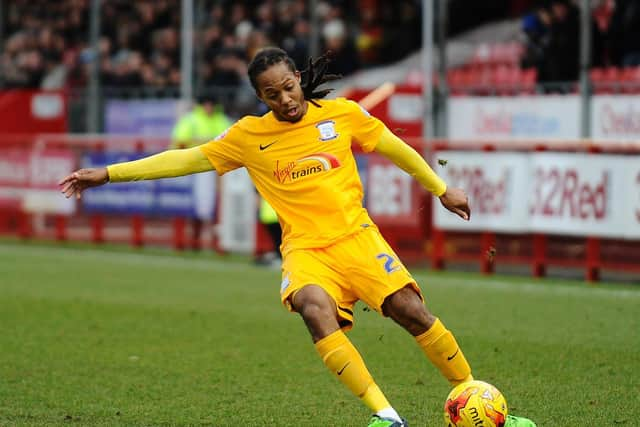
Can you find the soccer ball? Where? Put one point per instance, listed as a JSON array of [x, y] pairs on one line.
[[475, 404]]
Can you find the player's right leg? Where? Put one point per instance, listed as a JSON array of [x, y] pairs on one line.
[[381, 280], [319, 312], [406, 307]]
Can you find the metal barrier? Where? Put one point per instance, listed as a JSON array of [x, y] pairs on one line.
[[57, 221], [32, 165], [614, 245]]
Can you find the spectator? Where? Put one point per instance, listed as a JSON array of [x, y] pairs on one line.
[[369, 39], [140, 40], [624, 34], [256, 40], [563, 53], [206, 121], [127, 69], [552, 42], [344, 56], [536, 30], [297, 43], [22, 63], [229, 67], [402, 32]]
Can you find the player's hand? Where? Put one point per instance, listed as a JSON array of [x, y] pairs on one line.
[[82, 179], [456, 200]]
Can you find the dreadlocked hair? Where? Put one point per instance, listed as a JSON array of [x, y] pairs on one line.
[[312, 77], [315, 75]]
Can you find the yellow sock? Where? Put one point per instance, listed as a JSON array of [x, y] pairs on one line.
[[442, 349], [342, 358]]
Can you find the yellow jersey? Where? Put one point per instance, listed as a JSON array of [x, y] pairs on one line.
[[305, 170]]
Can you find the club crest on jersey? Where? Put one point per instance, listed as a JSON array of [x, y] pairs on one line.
[[327, 130]]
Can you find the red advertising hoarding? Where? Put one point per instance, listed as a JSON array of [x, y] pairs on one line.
[[29, 179], [31, 111]]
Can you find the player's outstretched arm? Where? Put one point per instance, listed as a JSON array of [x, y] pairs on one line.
[[408, 159], [82, 179], [167, 164]]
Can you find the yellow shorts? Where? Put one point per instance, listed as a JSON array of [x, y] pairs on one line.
[[360, 267]]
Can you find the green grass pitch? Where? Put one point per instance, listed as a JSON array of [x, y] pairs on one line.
[[117, 337]]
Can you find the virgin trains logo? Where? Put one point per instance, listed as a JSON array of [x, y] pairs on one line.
[[309, 165]]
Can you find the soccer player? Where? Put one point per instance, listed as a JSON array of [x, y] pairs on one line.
[[300, 160]]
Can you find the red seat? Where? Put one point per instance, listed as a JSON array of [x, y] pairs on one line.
[[612, 79], [631, 80], [528, 80], [608, 80], [505, 79], [455, 80], [517, 52], [634, 74], [469, 77], [498, 54], [596, 74], [598, 80], [480, 80]]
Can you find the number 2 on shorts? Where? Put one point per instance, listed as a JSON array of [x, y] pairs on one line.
[[389, 261]]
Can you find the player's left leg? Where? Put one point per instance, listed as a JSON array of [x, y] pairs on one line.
[[383, 282], [407, 309]]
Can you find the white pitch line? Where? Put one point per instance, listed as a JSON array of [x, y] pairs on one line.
[[425, 279]]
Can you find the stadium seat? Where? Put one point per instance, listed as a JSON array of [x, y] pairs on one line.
[[604, 80], [457, 81], [505, 79], [597, 78], [469, 79], [612, 79], [482, 81], [528, 80], [494, 69], [506, 53], [630, 78], [496, 54]]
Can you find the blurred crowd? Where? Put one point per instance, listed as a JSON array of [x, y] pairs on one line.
[[46, 44], [552, 37]]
